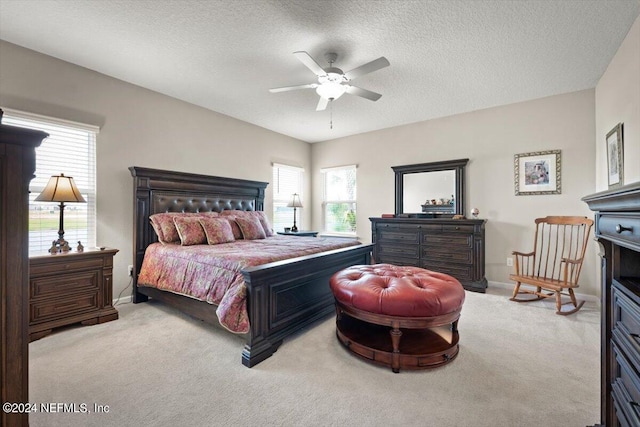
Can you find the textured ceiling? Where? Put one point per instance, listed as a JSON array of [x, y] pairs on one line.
[[446, 57]]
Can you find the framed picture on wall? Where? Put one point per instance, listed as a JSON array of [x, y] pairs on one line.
[[537, 173], [615, 156]]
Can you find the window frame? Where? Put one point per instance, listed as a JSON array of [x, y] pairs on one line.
[[279, 199], [42, 242], [325, 201]]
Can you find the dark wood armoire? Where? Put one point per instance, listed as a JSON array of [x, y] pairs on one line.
[[17, 166], [617, 218]]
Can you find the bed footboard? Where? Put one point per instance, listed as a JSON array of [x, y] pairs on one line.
[[285, 296]]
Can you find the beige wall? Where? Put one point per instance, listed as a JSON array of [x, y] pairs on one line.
[[489, 138], [142, 128], [618, 100], [138, 126]]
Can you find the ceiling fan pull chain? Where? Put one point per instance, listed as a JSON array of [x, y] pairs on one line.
[[330, 114]]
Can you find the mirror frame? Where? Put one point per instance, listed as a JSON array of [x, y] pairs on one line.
[[456, 165]]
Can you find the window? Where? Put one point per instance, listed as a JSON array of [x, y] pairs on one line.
[[70, 149], [339, 204], [286, 181]]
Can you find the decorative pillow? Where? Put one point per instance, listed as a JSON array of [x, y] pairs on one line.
[[190, 230], [251, 228], [165, 228], [206, 214], [231, 215], [217, 230], [264, 221], [156, 227]]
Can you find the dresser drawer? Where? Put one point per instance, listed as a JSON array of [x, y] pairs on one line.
[[409, 251], [619, 404], [626, 389], [448, 254], [398, 260], [460, 272], [395, 235], [50, 309], [64, 285], [458, 228], [620, 227], [448, 242], [626, 323], [41, 268]]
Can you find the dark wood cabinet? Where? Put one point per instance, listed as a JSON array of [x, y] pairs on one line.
[[17, 165], [451, 246], [67, 288], [618, 234]]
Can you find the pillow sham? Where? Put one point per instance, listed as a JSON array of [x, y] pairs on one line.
[[231, 215], [251, 228], [217, 230], [190, 230], [260, 215], [264, 221], [165, 228]]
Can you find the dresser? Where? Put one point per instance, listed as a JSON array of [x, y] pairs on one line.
[[17, 165], [454, 247], [618, 234], [68, 288]]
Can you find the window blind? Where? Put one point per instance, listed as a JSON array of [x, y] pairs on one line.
[[286, 181], [339, 199], [69, 149]]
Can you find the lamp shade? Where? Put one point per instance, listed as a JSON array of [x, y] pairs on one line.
[[295, 201], [60, 188]]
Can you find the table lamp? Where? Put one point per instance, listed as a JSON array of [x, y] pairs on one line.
[[294, 203], [61, 189]]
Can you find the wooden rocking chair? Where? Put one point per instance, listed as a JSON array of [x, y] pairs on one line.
[[553, 267]]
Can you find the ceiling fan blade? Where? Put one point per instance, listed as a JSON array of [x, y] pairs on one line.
[[287, 88], [322, 104], [367, 68], [311, 64], [354, 90]]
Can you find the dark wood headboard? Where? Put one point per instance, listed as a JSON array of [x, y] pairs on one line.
[[156, 191]]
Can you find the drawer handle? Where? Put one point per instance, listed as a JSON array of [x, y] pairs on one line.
[[620, 228]]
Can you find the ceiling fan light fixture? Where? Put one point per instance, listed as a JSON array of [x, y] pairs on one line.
[[331, 90]]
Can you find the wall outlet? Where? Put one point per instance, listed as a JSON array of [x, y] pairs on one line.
[[130, 270], [509, 262]]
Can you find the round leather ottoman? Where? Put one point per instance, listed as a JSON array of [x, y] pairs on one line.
[[398, 316]]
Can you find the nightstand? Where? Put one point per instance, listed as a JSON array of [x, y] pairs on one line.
[[72, 287], [299, 233]]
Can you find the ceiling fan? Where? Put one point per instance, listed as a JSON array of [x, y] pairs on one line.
[[332, 81]]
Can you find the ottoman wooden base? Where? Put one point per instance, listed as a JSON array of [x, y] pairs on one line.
[[399, 342]]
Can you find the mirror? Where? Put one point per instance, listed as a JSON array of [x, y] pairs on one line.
[[430, 189]]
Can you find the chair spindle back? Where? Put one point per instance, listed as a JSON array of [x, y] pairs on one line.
[[558, 238]]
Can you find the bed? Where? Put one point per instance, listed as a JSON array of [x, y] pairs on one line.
[[281, 297]]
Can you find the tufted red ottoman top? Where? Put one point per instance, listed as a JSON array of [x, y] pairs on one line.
[[397, 290]]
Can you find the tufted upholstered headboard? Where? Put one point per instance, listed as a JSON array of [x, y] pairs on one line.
[[156, 191]]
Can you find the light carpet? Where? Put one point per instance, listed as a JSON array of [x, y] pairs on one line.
[[519, 365]]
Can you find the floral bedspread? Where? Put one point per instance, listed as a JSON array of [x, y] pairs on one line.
[[212, 273]]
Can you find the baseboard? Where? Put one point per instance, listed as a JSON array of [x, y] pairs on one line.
[[125, 299], [509, 286]]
